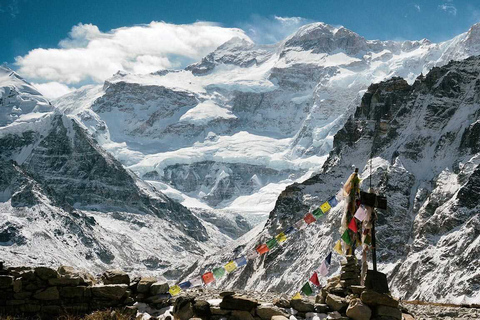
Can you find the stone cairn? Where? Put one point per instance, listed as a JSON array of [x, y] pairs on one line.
[[47, 293]]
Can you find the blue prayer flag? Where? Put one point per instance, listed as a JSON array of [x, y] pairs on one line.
[[241, 261], [185, 285], [289, 230], [328, 259], [333, 201]]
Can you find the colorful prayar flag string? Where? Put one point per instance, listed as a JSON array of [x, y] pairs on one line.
[[196, 282], [297, 296], [261, 249], [306, 289], [353, 225], [290, 230], [230, 266], [314, 279], [208, 277], [338, 247], [361, 213], [253, 254], [240, 261], [218, 272], [346, 237], [281, 237], [325, 207], [271, 243], [174, 290], [185, 285], [309, 218]]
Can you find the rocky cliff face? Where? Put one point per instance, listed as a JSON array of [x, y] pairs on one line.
[[275, 108], [64, 199], [419, 140]]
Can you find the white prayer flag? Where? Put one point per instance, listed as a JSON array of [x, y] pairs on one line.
[[361, 213]]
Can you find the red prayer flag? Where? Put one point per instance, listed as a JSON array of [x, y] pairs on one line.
[[261, 249], [353, 225], [314, 279], [309, 218], [208, 277]]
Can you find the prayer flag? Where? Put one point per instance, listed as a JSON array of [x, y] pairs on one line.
[[271, 243], [261, 249], [300, 224], [306, 289], [252, 255], [317, 213], [290, 230], [328, 259], [346, 237], [325, 207], [353, 225], [338, 247], [297, 296], [333, 201], [230, 266], [218, 272], [240, 261], [314, 279], [309, 218], [361, 213], [174, 290], [208, 277], [281, 237], [196, 282], [185, 285]]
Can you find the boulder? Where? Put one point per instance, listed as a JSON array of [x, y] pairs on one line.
[[357, 289], [358, 311], [17, 285], [115, 277], [109, 291], [183, 308], [349, 275], [159, 288], [241, 315], [282, 303], [279, 318], [336, 303], [320, 298], [66, 270], [218, 312], [388, 312], [267, 311], [144, 284], [372, 298], [226, 293], [6, 281], [321, 308], [302, 305], [202, 308], [238, 303], [72, 292], [50, 293], [45, 273]]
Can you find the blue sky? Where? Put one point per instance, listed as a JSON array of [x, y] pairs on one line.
[[32, 24]]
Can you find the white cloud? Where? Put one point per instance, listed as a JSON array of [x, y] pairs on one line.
[[272, 30], [417, 7], [448, 8], [91, 55], [52, 90]]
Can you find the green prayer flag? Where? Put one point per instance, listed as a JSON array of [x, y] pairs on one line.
[[271, 243], [317, 213], [346, 237], [218, 272], [306, 289]]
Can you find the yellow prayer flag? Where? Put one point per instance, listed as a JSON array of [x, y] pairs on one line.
[[281, 237], [338, 247], [174, 290], [230, 266], [325, 207], [297, 296]]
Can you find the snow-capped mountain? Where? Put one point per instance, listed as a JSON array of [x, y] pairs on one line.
[[427, 164], [233, 130], [63, 199]]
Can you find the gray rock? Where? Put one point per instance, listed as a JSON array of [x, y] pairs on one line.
[[45, 273], [358, 311], [302, 305], [159, 288], [279, 318], [373, 298], [202, 308], [64, 281], [109, 291], [336, 303], [145, 283], [50, 293], [6, 281], [115, 277], [385, 311], [241, 315], [72, 292], [183, 308], [321, 308], [238, 303], [266, 312]]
